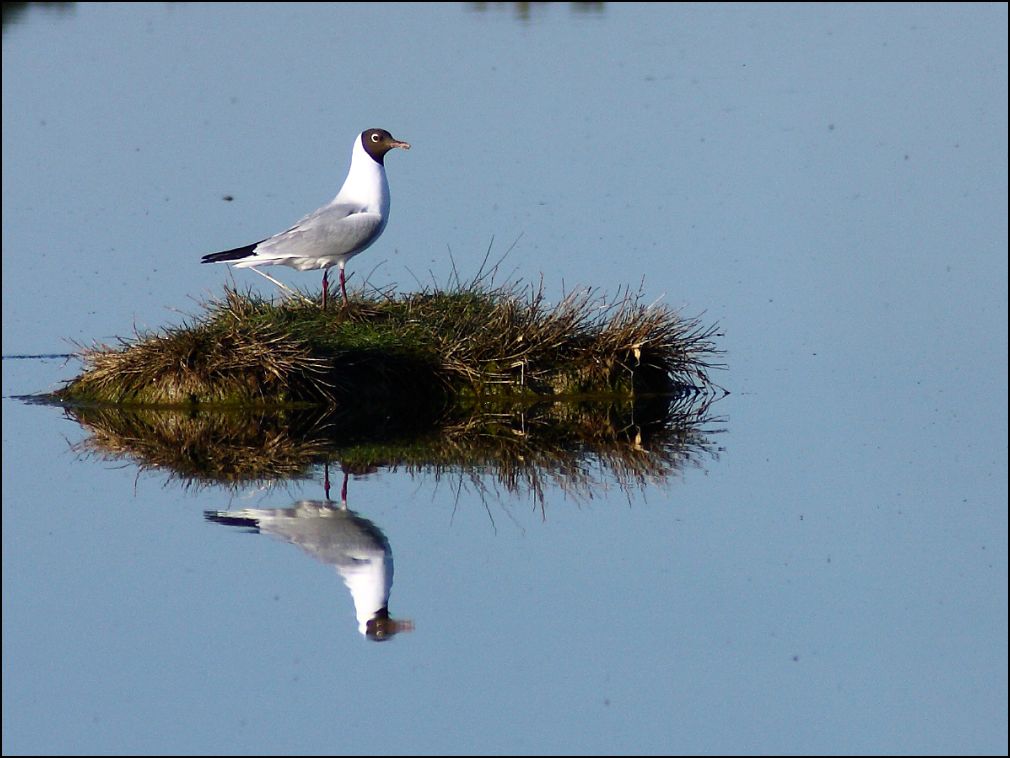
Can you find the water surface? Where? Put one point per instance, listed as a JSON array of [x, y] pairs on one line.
[[828, 183]]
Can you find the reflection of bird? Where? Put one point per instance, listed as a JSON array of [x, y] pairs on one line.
[[340, 537], [333, 234]]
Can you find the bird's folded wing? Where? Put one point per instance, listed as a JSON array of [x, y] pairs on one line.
[[321, 238]]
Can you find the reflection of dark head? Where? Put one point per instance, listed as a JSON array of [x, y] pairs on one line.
[[381, 627]]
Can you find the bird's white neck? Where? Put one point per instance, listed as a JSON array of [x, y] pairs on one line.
[[366, 184]]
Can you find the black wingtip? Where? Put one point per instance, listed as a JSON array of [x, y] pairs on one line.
[[223, 517], [230, 255]]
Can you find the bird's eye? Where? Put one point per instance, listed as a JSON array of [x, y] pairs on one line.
[[375, 138]]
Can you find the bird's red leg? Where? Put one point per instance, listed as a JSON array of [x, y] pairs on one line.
[[343, 289], [326, 286]]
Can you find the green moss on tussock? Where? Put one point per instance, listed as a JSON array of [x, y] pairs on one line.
[[405, 351]]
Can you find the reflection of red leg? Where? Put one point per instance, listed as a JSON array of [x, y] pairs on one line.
[[326, 285], [326, 479], [343, 490]]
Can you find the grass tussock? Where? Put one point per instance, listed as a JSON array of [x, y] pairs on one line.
[[405, 351]]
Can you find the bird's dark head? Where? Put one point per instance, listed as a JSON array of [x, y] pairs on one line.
[[382, 628], [378, 142]]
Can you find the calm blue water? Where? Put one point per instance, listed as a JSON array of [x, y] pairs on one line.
[[829, 183]]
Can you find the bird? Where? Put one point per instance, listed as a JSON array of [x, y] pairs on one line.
[[336, 232]]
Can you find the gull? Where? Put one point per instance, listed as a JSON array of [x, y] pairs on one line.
[[331, 235]]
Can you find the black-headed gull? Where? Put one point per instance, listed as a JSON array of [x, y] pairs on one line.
[[333, 234]]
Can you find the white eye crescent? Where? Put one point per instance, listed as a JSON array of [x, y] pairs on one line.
[[375, 138]]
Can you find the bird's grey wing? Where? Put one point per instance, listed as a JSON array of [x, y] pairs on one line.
[[331, 232], [332, 210]]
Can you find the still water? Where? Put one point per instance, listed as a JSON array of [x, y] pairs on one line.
[[826, 572]]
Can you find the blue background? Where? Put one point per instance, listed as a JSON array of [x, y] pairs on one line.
[[828, 183]]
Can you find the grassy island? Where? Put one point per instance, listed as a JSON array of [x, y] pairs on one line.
[[405, 351]]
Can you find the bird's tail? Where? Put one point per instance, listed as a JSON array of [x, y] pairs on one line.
[[233, 518], [230, 255]]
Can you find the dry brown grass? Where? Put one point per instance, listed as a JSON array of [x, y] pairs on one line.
[[431, 348]]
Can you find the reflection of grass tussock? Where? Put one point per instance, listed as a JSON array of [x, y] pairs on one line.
[[574, 446], [415, 349], [520, 448], [226, 446]]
